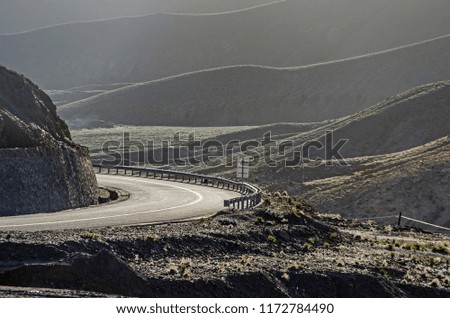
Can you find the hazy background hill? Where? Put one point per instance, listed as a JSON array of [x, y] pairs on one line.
[[22, 15], [399, 123], [250, 95], [289, 33]]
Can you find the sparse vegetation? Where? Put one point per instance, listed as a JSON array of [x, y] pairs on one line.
[[153, 237], [436, 283], [440, 249], [259, 220], [294, 266], [90, 235]]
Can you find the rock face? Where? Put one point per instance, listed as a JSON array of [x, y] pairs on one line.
[[41, 169]]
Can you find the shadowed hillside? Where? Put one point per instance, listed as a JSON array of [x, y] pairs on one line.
[[41, 169], [284, 34], [253, 95]]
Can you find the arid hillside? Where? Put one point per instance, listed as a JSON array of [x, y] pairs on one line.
[[253, 95], [284, 34], [399, 123], [415, 182]]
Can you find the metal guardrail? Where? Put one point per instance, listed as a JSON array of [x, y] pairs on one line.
[[251, 195]]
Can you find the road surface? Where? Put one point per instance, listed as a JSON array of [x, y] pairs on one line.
[[151, 201]]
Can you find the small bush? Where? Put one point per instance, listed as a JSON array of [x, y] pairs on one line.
[[90, 236], [414, 246], [259, 220], [271, 239], [384, 272], [173, 270], [246, 260], [153, 237], [441, 249], [294, 267], [340, 262], [436, 283], [326, 245]]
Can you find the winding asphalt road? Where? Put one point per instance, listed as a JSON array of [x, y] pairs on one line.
[[151, 201]]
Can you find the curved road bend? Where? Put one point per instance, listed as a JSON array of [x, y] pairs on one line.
[[151, 201]]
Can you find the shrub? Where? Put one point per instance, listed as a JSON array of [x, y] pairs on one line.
[[272, 239], [90, 235], [267, 202], [384, 272], [440, 249], [390, 247], [436, 283], [294, 267], [259, 220]]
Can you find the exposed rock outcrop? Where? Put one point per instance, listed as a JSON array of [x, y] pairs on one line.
[[41, 169]]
